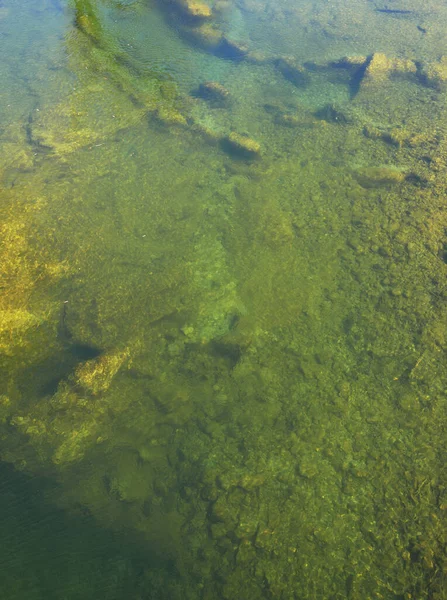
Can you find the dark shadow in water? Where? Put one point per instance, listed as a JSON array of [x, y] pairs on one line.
[[356, 78], [49, 554], [46, 554], [43, 379], [231, 50], [46, 376], [82, 352], [331, 114], [232, 353]]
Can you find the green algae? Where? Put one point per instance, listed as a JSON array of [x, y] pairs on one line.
[[267, 401]]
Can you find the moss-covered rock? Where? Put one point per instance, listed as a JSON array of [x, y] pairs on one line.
[[215, 93], [206, 36], [194, 9], [371, 177], [435, 74], [241, 145], [95, 376], [232, 49], [396, 137], [381, 67], [170, 116]]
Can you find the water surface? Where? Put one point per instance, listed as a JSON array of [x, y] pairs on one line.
[[223, 311]]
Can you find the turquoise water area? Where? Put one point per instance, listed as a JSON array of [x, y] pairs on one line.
[[223, 306]]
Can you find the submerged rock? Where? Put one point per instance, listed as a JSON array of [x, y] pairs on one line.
[[396, 137], [351, 63], [345, 68], [207, 36], [209, 134], [257, 58], [232, 50], [170, 116], [292, 71], [371, 177], [380, 67], [288, 120], [331, 114], [215, 93], [241, 145], [435, 74], [351, 69], [194, 9], [97, 375]]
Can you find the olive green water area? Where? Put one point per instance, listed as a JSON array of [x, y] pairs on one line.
[[223, 306]]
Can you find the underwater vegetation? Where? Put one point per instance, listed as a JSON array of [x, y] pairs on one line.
[[223, 313]]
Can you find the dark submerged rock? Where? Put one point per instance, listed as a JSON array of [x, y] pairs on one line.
[[214, 93], [292, 71]]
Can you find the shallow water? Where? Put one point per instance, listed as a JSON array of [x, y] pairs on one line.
[[223, 312]]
